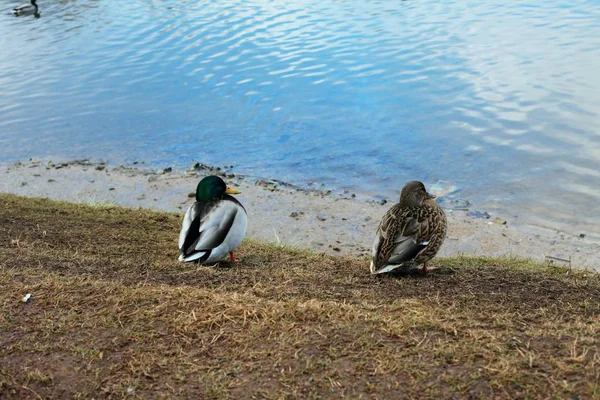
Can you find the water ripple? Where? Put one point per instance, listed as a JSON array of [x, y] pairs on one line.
[[360, 95]]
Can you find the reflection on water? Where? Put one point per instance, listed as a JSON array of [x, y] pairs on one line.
[[500, 99]]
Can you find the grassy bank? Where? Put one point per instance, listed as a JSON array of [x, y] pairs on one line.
[[113, 314]]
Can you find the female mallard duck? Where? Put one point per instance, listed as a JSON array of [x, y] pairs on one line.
[[214, 225], [26, 9], [410, 233]]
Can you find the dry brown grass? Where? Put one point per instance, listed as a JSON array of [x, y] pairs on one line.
[[113, 315]]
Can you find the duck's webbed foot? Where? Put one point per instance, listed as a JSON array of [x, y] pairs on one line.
[[232, 258], [427, 269]]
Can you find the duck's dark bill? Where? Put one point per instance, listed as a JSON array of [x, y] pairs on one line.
[[230, 190]]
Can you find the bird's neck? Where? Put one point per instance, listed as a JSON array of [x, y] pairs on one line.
[[430, 202], [409, 203]]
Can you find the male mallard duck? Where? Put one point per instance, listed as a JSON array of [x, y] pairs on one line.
[[214, 225], [25, 9], [410, 233]]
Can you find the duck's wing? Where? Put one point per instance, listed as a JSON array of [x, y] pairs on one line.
[[437, 228], [205, 226], [402, 234]]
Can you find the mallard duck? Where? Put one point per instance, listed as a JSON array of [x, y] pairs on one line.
[[214, 225], [26, 8], [410, 233]]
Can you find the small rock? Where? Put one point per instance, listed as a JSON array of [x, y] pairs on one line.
[[294, 214], [321, 217], [23, 183], [383, 202], [136, 162], [51, 180], [368, 218], [191, 194], [194, 167], [353, 195], [499, 221], [112, 188], [261, 182], [582, 235], [336, 249], [100, 167], [166, 170], [26, 298], [478, 214]]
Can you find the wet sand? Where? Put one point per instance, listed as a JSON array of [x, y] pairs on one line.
[[282, 213]]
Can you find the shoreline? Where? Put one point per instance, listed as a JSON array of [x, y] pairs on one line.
[[278, 212]]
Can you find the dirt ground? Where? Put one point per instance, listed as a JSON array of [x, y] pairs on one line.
[[113, 315]]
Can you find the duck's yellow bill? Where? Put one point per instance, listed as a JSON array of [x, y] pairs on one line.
[[231, 190]]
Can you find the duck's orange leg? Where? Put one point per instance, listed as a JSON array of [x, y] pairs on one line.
[[426, 269], [232, 258]]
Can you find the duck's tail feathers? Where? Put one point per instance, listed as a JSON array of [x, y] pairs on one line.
[[383, 270], [192, 257]]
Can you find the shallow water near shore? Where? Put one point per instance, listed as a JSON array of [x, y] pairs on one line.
[[498, 100]]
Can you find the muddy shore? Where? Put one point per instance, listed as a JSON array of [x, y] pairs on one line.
[[278, 212]]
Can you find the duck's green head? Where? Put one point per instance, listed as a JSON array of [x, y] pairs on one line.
[[213, 188]]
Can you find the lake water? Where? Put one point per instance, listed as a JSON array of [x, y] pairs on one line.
[[500, 99]]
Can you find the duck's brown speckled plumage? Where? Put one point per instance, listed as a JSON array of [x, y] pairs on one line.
[[410, 233]]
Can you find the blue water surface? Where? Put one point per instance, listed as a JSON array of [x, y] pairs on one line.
[[500, 99]]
